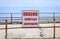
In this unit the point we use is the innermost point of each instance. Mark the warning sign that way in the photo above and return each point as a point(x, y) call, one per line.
point(30, 18)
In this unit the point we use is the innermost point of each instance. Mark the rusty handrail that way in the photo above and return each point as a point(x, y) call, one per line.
point(6, 30)
point(29, 27)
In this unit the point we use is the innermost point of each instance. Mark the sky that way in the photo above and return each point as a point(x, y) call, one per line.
point(16, 6)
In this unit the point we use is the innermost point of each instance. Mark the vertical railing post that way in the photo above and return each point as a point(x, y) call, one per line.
point(11, 18)
point(6, 29)
point(54, 24)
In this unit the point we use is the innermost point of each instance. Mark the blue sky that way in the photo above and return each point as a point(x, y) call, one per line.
point(15, 6)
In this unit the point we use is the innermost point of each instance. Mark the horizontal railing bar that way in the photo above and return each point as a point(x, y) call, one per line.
point(10, 17)
point(17, 19)
point(10, 13)
point(21, 17)
point(30, 27)
point(39, 12)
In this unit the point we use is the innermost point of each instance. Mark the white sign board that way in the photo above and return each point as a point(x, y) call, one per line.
point(30, 18)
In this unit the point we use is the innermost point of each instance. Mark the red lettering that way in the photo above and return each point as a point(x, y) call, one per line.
point(31, 23)
point(29, 19)
point(30, 13)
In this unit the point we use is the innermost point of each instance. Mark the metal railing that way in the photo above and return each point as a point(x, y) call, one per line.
point(54, 20)
point(17, 17)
